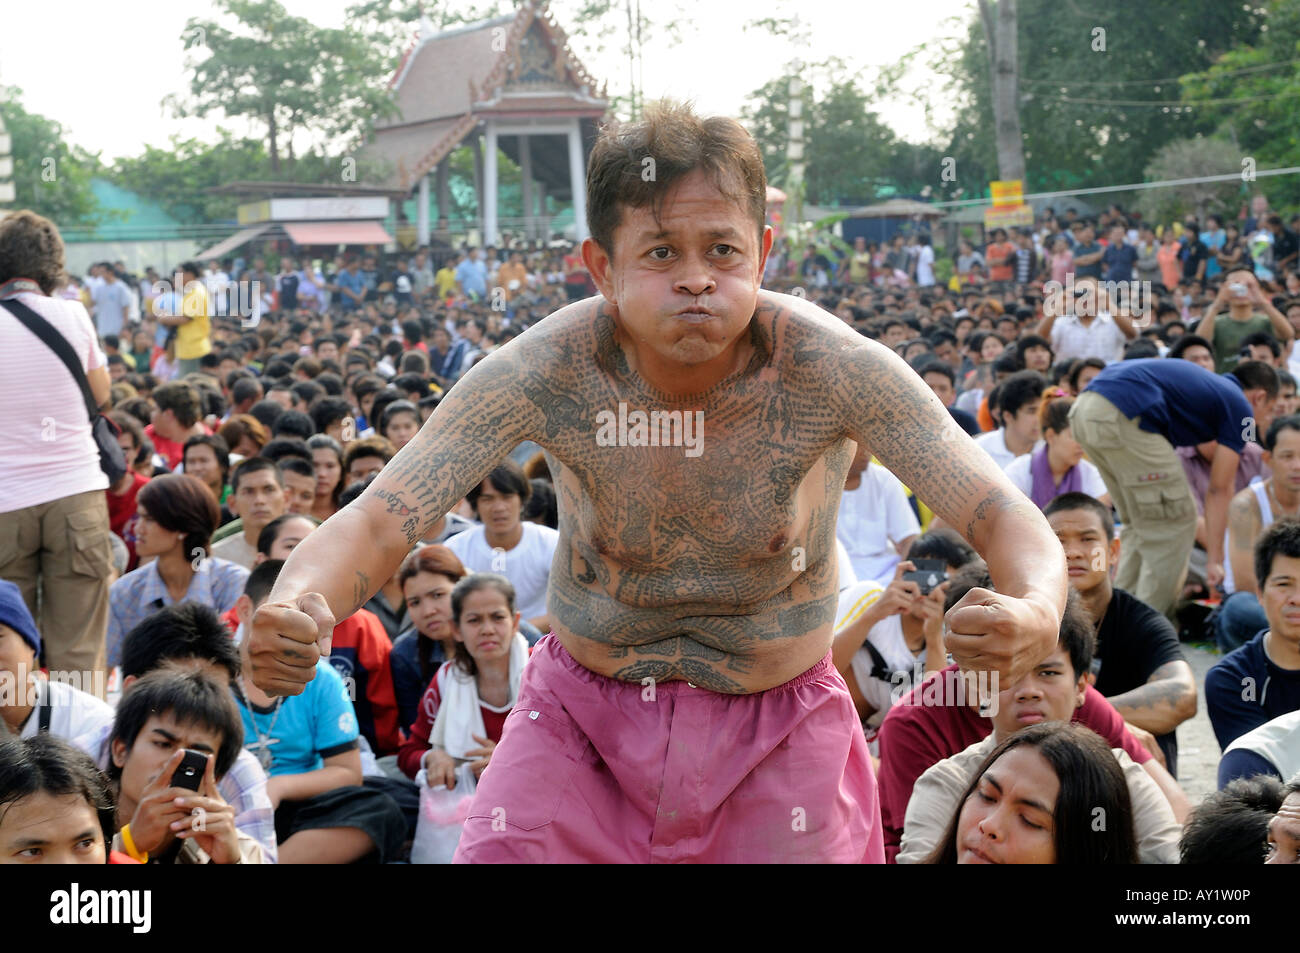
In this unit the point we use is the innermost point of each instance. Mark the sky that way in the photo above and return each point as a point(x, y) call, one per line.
point(111, 72)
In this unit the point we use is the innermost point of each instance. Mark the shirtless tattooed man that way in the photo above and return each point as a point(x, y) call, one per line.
point(684, 706)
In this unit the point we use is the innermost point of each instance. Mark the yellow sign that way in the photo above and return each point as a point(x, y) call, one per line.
point(255, 213)
point(1012, 217)
point(1008, 193)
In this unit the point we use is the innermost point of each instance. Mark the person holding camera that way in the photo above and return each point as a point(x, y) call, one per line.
point(1244, 299)
point(165, 720)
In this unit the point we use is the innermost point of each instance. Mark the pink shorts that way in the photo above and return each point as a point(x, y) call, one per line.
point(595, 770)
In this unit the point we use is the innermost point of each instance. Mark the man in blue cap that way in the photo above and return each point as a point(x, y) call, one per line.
point(30, 702)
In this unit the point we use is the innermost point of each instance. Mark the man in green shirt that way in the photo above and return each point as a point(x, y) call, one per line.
point(1245, 300)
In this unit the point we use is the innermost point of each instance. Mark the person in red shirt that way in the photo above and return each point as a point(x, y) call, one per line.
point(1001, 257)
point(175, 420)
point(464, 709)
point(940, 718)
point(121, 496)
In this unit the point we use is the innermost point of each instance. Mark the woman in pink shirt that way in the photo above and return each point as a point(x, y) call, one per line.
point(1062, 260)
point(54, 528)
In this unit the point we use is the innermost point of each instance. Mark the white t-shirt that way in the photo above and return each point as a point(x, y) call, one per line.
point(925, 266)
point(75, 716)
point(994, 443)
point(871, 520)
point(527, 566)
point(1020, 473)
point(46, 448)
point(885, 636)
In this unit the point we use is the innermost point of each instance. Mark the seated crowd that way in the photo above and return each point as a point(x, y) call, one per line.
point(1159, 437)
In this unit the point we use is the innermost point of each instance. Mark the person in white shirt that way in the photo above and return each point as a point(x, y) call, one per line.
point(1056, 465)
point(507, 545)
point(33, 703)
point(1050, 693)
point(876, 524)
point(888, 637)
point(925, 262)
point(1018, 398)
point(1084, 326)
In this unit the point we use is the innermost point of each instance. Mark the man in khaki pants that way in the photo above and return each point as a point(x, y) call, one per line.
point(1129, 420)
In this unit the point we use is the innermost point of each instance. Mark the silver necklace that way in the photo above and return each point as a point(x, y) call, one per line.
point(262, 748)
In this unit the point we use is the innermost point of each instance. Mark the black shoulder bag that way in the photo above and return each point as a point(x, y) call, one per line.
point(111, 459)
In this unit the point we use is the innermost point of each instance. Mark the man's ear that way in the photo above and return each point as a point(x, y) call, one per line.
point(244, 609)
point(232, 503)
point(1114, 553)
point(128, 681)
point(119, 752)
point(765, 247)
point(599, 263)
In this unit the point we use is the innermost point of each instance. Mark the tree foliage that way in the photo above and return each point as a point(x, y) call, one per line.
point(51, 176)
point(285, 73)
point(1190, 159)
point(1080, 88)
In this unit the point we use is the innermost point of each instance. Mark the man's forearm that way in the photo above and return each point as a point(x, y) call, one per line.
point(1024, 556)
point(1158, 707)
point(299, 787)
point(1169, 788)
point(344, 560)
point(1216, 522)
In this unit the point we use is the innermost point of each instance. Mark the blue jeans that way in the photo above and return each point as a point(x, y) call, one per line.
point(1237, 620)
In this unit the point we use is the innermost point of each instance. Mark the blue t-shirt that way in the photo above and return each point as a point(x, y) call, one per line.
point(1244, 689)
point(1119, 261)
point(1087, 271)
point(355, 283)
point(1181, 401)
point(309, 728)
point(472, 276)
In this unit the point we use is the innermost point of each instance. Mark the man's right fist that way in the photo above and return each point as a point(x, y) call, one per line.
point(287, 641)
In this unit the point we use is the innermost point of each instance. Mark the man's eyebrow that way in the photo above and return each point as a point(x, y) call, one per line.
point(711, 233)
point(165, 733)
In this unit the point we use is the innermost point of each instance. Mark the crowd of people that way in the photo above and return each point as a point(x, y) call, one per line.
point(1158, 433)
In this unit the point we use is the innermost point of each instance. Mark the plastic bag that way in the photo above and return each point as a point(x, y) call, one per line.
point(442, 818)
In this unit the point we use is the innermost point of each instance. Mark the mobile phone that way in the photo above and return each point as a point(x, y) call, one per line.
point(189, 773)
point(928, 574)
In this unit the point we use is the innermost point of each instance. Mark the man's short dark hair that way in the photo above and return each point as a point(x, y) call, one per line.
point(1077, 369)
point(328, 411)
point(305, 392)
point(1261, 339)
point(1256, 375)
point(190, 698)
point(261, 580)
point(1180, 346)
point(296, 464)
point(1231, 825)
point(1140, 349)
point(942, 544)
point(1082, 501)
point(181, 399)
point(254, 465)
point(329, 382)
point(281, 447)
point(1289, 422)
point(267, 412)
point(508, 479)
point(246, 388)
point(175, 633)
point(932, 365)
point(679, 142)
point(1280, 539)
point(1033, 340)
point(46, 764)
point(293, 423)
point(942, 336)
point(1019, 390)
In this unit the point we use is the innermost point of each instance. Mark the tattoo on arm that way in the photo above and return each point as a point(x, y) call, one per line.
point(360, 588)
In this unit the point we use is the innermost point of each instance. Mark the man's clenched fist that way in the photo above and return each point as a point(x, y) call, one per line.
point(287, 641)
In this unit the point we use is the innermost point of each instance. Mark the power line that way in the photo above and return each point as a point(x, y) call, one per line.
point(1138, 186)
point(1173, 103)
point(1257, 68)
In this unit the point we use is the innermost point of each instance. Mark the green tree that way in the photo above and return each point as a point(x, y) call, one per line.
point(285, 73)
point(51, 176)
point(1190, 159)
point(1251, 95)
point(1099, 91)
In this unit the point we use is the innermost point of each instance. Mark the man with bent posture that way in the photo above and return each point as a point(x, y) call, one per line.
point(685, 706)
